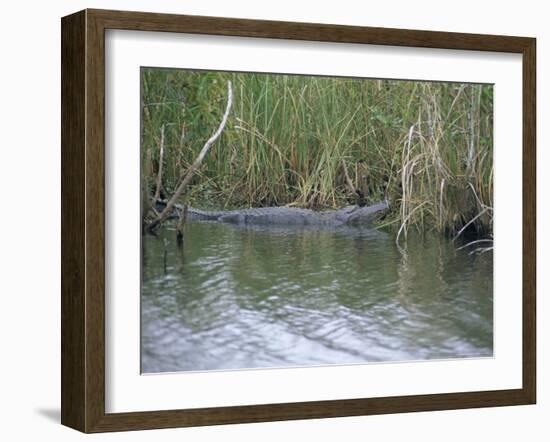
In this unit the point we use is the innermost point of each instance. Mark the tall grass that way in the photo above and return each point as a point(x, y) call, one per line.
point(427, 147)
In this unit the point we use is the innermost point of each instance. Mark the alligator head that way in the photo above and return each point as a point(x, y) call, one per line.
point(366, 215)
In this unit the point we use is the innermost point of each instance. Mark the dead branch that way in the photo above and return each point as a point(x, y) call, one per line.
point(195, 166)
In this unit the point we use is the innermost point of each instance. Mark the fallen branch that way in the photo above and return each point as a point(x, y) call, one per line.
point(195, 166)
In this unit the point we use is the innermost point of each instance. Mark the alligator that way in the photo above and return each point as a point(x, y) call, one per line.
point(288, 216)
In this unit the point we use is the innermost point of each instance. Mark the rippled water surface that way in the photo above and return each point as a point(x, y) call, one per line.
point(237, 297)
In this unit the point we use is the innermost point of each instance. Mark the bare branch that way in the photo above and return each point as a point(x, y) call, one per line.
point(196, 164)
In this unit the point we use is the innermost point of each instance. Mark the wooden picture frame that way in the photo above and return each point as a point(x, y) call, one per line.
point(83, 220)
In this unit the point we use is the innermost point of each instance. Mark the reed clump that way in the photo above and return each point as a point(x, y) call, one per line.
point(319, 142)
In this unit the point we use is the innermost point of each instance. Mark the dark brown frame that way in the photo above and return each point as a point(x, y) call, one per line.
point(83, 218)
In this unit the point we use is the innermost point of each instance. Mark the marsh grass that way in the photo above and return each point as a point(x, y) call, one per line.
point(426, 147)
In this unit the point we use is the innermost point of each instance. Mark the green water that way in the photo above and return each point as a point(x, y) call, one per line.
point(238, 297)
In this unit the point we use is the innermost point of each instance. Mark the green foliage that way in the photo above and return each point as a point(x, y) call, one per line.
point(425, 146)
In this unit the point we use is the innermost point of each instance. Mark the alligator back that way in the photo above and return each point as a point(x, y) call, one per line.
point(352, 215)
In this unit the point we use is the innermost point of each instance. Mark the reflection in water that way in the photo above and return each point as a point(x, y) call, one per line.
point(238, 297)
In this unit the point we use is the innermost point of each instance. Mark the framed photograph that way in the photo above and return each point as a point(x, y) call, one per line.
point(268, 220)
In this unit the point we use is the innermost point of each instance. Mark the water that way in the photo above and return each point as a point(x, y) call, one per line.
point(238, 297)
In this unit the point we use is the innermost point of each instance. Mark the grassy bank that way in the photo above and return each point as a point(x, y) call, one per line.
point(313, 141)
